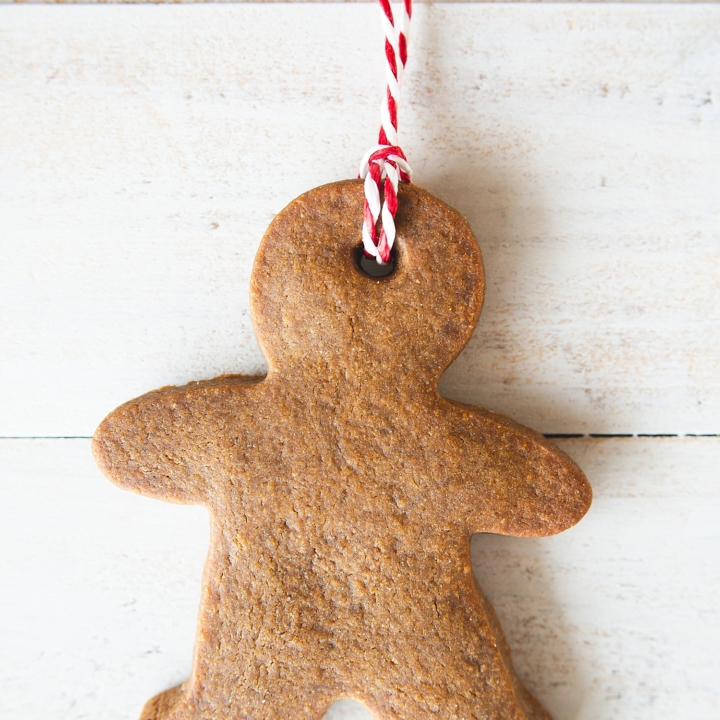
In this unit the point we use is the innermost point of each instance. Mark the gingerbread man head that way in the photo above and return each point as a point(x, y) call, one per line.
point(313, 305)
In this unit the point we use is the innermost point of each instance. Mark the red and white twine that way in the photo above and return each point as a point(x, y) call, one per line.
point(385, 164)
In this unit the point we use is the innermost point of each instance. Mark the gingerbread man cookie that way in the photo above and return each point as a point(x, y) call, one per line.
point(342, 488)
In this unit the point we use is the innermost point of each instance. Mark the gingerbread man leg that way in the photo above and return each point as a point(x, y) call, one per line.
point(165, 705)
point(455, 665)
point(280, 703)
point(463, 682)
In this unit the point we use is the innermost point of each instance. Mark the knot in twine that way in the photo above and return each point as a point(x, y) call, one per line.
point(386, 161)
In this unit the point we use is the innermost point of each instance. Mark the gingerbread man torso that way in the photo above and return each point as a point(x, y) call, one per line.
point(342, 489)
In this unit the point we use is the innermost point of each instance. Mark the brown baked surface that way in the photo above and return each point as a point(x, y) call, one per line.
point(342, 489)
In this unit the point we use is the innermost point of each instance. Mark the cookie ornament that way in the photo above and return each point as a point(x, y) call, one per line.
point(342, 488)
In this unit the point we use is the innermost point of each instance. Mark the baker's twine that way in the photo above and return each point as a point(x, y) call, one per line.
point(385, 163)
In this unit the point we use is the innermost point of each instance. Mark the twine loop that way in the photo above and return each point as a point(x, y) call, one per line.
point(384, 166)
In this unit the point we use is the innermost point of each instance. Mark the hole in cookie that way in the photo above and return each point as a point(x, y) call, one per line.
point(371, 267)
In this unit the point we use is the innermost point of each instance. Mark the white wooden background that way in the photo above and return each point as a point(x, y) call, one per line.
point(144, 149)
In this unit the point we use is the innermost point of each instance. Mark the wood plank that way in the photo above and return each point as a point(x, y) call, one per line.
point(616, 618)
point(144, 149)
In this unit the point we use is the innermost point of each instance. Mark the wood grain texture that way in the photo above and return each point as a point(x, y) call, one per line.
point(616, 618)
point(143, 151)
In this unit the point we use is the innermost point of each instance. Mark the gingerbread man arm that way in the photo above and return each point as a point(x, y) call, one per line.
point(142, 446)
point(163, 444)
point(515, 481)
